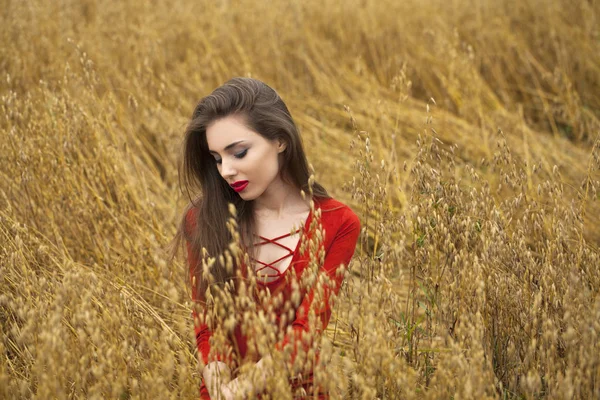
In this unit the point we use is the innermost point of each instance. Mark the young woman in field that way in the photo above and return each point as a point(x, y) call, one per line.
point(243, 147)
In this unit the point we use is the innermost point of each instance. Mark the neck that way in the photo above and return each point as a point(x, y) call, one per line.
point(279, 200)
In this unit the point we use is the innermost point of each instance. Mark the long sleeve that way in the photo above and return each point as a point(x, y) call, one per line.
point(201, 329)
point(340, 252)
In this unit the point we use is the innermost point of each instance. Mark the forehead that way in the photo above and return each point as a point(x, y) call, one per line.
point(228, 130)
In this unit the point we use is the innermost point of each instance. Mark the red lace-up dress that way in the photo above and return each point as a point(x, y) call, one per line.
point(342, 227)
point(268, 273)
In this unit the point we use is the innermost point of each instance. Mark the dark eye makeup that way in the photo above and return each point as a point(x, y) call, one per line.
point(241, 154)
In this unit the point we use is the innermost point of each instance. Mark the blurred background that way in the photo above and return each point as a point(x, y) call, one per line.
point(95, 97)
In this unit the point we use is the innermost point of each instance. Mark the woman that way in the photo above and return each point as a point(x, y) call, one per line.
point(242, 147)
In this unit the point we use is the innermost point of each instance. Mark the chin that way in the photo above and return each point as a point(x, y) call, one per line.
point(249, 196)
point(246, 196)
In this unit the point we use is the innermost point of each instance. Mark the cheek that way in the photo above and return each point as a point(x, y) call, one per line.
point(264, 164)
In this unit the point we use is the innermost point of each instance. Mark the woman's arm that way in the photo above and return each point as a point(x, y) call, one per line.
point(340, 253)
point(215, 373)
point(317, 299)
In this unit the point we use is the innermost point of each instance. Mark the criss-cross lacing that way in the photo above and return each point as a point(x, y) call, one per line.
point(276, 273)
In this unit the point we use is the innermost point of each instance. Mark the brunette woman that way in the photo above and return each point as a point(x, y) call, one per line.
point(242, 147)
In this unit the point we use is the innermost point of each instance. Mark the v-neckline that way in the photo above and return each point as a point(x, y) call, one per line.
point(294, 254)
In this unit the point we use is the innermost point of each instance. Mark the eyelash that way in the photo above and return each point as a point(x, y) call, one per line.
point(241, 154)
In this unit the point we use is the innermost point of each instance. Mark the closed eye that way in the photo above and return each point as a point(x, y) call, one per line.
point(241, 154)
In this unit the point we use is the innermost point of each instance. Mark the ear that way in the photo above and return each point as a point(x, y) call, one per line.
point(281, 146)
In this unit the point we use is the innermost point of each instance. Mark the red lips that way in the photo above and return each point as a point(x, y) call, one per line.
point(239, 185)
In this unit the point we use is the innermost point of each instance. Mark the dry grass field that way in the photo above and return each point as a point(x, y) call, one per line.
point(465, 134)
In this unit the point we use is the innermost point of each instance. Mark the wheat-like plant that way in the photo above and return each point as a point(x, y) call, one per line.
point(465, 134)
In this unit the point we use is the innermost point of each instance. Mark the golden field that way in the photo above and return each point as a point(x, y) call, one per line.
point(465, 134)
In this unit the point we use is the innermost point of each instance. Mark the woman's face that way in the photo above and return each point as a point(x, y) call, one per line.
point(243, 155)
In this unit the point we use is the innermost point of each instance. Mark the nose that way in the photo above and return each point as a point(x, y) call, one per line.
point(227, 169)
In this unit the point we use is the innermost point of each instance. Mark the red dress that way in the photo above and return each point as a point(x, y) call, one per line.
point(342, 227)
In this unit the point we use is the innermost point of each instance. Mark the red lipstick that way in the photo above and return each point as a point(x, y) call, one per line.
point(239, 185)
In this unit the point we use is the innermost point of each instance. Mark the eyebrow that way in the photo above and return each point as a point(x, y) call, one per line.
point(228, 146)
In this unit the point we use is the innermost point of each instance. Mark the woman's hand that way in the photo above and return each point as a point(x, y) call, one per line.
point(260, 373)
point(243, 387)
point(225, 393)
point(216, 376)
point(238, 389)
point(248, 385)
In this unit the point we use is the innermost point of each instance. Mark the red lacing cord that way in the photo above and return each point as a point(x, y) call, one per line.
point(270, 265)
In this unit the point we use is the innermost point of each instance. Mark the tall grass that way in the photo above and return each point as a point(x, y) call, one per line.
point(469, 146)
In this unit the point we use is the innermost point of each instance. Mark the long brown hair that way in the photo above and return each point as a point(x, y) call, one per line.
point(263, 112)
